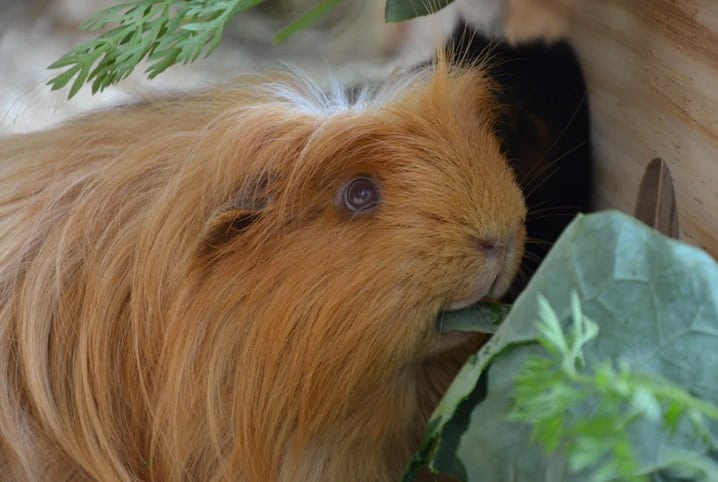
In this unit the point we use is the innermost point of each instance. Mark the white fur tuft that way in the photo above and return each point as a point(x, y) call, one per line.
point(306, 96)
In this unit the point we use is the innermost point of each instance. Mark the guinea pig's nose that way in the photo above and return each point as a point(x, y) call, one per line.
point(489, 247)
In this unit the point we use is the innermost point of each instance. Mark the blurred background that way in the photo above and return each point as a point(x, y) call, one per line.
point(352, 43)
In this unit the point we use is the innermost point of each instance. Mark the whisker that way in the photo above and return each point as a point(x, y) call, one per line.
point(560, 135)
point(551, 165)
point(551, 212)
point(541, 208)
point(540, 242)
point(545, 216)
point(568, 124)
point(545, 203)
point(529, 256)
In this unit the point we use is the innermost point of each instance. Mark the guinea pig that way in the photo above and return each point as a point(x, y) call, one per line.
point(243, 283)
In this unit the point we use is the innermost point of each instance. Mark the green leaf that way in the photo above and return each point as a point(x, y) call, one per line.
point(166, 31)
point(550, 327)
point(79, 81)
point(654, 302)
point(401, 10)
point(61, 80)
point(480, 317)
point(110, 15)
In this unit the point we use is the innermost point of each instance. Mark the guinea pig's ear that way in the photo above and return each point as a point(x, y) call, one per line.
point(235, 218)
point(227, 224)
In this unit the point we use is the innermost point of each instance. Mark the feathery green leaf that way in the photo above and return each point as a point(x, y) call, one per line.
point(164, 32)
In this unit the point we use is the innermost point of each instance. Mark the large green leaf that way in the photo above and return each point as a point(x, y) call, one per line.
point(656, 303)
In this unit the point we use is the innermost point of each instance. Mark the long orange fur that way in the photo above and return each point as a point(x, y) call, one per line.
point(145, 335)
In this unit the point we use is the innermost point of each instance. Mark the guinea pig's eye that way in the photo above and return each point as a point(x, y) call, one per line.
point(361, 195)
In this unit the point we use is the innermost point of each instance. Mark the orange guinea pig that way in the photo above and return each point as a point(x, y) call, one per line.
point(243, 284)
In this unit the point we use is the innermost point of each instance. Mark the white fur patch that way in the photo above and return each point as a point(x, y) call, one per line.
point(304, 95)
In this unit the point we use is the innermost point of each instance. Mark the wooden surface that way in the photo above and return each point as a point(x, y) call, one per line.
point(652, 74)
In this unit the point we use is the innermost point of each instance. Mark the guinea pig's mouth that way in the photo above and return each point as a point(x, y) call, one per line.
point(482, 293)
point(487, 286)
